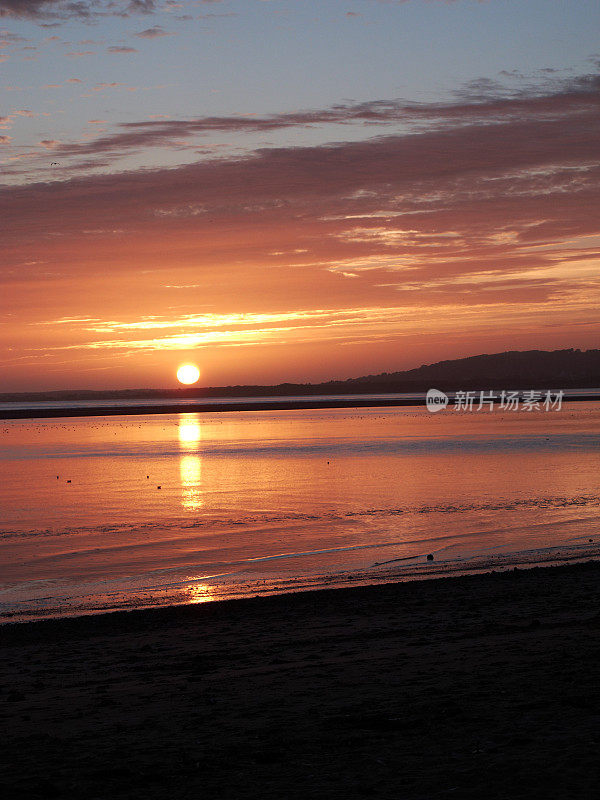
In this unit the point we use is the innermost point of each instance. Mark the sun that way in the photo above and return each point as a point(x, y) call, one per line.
point(188, 373)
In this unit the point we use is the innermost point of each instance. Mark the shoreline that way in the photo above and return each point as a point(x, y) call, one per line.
point(214, 407)
point(106, 618)
point(379, 574)
point(416, 585)
point(480, 685)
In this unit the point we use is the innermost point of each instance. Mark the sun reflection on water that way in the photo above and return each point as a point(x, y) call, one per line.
point(190, 464)
point(190, 431)
point(190, 469)
point(200, 593)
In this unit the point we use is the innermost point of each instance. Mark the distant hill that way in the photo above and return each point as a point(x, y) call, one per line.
point(528, 369)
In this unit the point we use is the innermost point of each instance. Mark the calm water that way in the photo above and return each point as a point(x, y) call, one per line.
point(275, 501)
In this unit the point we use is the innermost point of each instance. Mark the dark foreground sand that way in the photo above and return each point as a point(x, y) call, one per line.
point(473, 687)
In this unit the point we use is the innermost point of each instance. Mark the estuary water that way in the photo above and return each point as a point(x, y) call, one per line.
point(102, 513)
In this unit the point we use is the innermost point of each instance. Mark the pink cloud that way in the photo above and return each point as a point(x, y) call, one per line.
point(100, 87)
point(65, 9)
point(152, 33)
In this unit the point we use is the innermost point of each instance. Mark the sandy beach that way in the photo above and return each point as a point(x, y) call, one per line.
point(477, 686)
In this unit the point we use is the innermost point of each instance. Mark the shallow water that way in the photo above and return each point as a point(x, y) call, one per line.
point(278, 500)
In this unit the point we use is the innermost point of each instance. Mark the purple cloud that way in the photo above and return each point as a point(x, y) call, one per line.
point(65, 9)
point(120, 49)
point(478, 202)
point(572, 102)
point(152, 33)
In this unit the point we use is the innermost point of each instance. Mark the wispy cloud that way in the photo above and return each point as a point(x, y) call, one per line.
point(477, 107)
point(155, 32)
point(475, 216)
point(121, 49)
point(79, 9)
point(344, 326)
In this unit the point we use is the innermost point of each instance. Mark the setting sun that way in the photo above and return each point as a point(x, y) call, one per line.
point(188, 373)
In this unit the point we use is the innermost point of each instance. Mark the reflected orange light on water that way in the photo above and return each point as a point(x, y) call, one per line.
point(200, 593)
point(190, 431)
point(190, 470)
point(190, 464)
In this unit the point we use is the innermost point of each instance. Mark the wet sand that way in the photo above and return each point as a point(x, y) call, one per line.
point(467, 687)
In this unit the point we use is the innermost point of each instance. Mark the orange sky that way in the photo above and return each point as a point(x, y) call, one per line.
point(409, 234)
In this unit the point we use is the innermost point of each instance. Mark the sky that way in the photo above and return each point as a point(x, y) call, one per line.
point(293, 190)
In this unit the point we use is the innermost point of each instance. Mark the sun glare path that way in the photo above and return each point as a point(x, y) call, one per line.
point(189, 431)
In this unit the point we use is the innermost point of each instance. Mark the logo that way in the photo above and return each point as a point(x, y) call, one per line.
point(436, 400)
